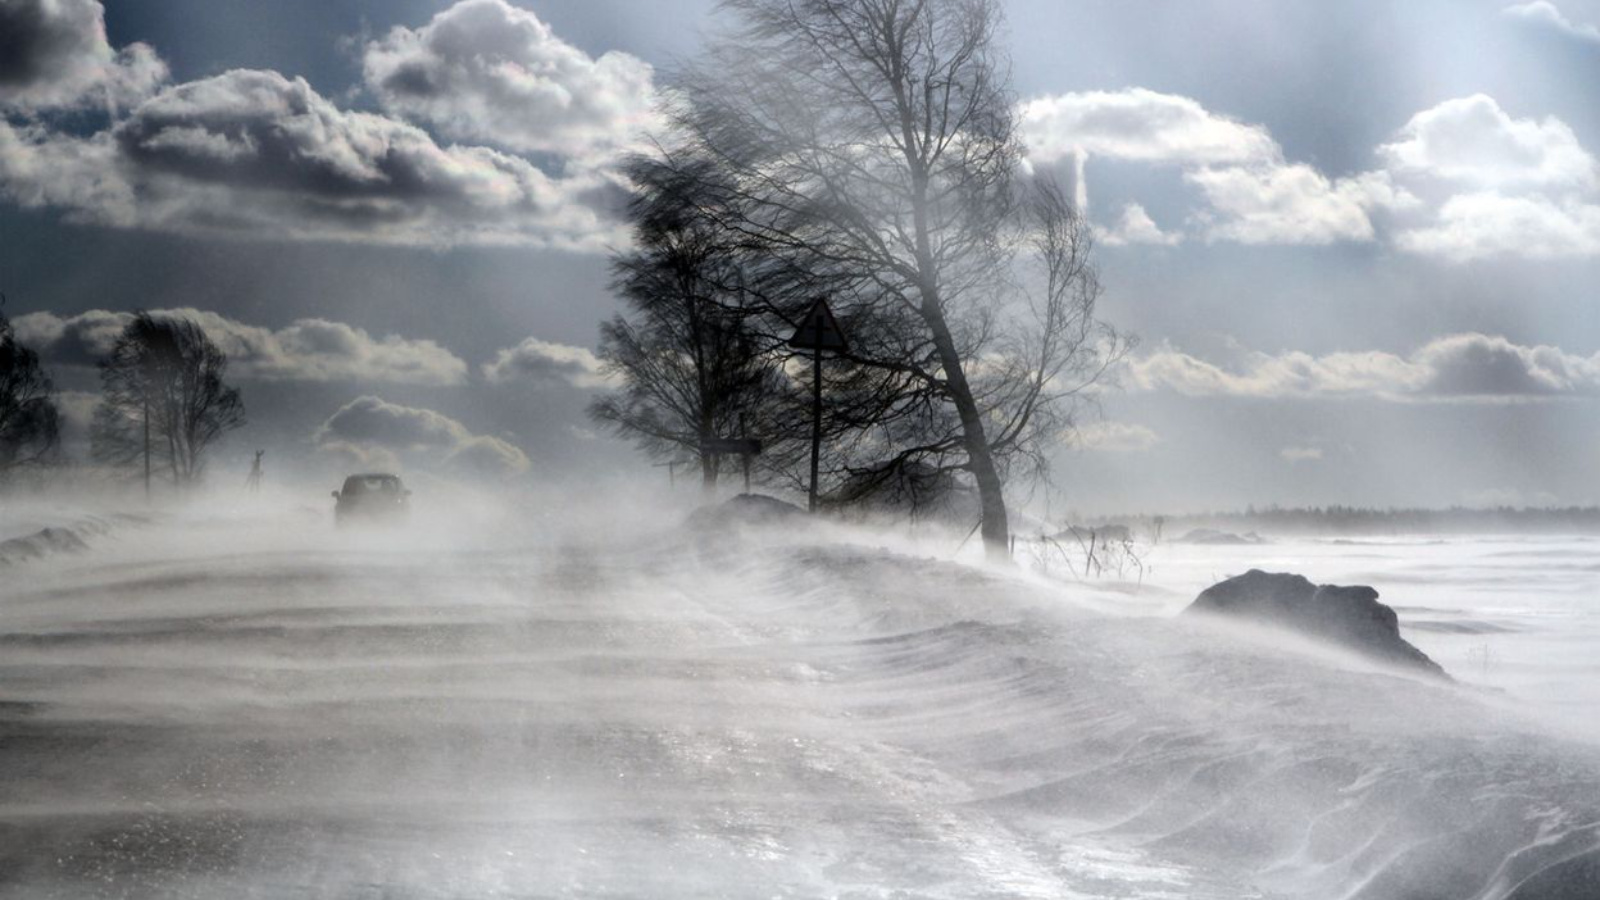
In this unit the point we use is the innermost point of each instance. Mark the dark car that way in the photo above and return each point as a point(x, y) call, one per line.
point(374, 498)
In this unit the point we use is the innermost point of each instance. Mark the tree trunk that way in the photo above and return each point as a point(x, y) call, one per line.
point(708, 473)
point(980, 460)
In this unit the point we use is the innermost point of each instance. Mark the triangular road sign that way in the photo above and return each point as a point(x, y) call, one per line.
point(819, 330)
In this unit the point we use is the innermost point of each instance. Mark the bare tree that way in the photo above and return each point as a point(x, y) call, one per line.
point(691, 370)
point(164, 401)
point(29, 421)
point(866, 149)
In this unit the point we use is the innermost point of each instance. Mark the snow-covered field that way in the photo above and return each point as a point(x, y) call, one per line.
point(250, 704)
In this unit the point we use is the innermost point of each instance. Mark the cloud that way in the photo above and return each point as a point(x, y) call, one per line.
point(1473, 140)
point(1113, 437)
point(1455, 367)
point(1545, 13)
point(253, 153)
point(545, 364)
point(1136, 227)
point(371, 431)
point(54, 54)
point(1292, 204)
point(1140, 125)
point(1488, 224)
point(1301, 454)
point(1253, 195)
point(486, 70)
point(306, 350)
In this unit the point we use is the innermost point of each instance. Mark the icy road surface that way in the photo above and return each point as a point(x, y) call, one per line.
point(220, 709)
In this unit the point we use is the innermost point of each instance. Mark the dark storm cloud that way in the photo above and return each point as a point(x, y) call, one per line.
point(543, 364)
point(54, 53)
point(306, 350)
point(257, 153)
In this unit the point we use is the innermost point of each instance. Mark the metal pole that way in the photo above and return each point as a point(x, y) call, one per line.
point(147, 444)
point(816, 423)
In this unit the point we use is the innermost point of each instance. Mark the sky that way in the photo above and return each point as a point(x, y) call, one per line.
point(1359, 242)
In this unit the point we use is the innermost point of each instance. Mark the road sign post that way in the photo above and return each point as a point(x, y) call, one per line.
point(744, 448)
point(818, 331)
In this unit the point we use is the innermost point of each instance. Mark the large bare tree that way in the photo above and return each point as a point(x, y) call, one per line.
point(691, 367)
point(29, 429)
point(164, 401)
point(867, 149)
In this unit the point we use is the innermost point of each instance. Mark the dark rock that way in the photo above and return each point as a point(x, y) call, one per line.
point(1351, 616)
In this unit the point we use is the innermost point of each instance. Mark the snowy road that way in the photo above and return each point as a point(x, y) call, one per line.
point(314, 715)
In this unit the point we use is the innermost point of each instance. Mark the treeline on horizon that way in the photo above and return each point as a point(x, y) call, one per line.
point(1338, 519)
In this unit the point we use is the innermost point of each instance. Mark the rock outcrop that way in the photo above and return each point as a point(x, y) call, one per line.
point(1350, 617)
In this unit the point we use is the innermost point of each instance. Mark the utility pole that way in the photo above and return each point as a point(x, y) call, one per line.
point(818, 331)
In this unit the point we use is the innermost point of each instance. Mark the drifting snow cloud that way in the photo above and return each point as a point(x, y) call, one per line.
point(486, 70)
point(306, 350)
point(1462, 366)
point(544, 364)
point(372, 432)
point(54, 54)
point(1546, 14)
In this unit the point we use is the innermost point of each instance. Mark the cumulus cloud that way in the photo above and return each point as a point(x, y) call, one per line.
point(486, 70)
point(1113, 437)
point(1301, 454)
point(305, 350)
point(1293, 204)
point(1489, 224)
point(1140, 125)
point(54, 54)
point(1253, 194)
point(1136, 227)
point(1547, 14)
point(1455, 367)
point(373, 432)
point(255, 153)
point(1473, 140)
point(545, 364)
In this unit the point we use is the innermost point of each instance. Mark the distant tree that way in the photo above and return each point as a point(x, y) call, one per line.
point(29, 421)
point(867, 150)
point(164, 401)
point(690, 366)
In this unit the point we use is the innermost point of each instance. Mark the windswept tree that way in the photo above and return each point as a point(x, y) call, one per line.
point(164, 401)
point(29, 421)
point(866, 149)
point(690, 366)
